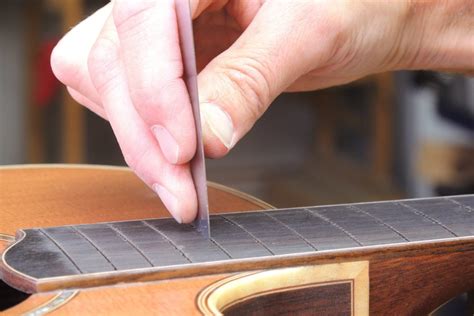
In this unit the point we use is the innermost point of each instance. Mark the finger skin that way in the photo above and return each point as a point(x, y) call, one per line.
point(139, 148)
point(81, 99)
point(244, 80)
point(149, 47)
point(69, 57)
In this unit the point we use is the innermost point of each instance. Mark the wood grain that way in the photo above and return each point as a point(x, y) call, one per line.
point(106, 253)
point(52, 195)
point(412, 279)
point(49, 195)
point(290, 291)
point(332, 299)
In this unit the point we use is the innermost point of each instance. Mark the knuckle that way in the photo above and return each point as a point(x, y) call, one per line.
point(136, 160)
point(130, 160)
point(127, 12)
point(143, 98)
point(63, 67)
point(251, 78)
point(101, 61)
point(103, 51)
point(156, 95)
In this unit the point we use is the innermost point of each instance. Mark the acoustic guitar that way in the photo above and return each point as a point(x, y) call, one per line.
point(96, 241)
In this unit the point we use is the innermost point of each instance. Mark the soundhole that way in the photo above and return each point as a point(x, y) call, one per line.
point(10, 297)
point(331, 299)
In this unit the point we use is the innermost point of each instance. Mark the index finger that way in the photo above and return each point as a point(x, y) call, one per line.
point(149, 47)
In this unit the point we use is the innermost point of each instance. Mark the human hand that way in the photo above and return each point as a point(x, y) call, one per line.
point(124, 63)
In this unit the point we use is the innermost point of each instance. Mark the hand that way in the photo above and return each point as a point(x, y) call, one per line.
point(124, 63)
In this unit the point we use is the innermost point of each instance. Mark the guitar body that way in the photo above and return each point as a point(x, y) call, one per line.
point(393, 267)
point(56, 195)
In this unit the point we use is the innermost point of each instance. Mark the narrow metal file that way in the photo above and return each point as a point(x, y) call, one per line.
point(198, 167)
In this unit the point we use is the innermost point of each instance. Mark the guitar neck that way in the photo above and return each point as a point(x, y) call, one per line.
point(161, 248)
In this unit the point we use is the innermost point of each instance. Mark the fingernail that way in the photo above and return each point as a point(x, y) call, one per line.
point(169, 146)
point(169, 200)
point(219, 122)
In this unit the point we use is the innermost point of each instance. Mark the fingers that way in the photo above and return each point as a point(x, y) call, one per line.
point(97, 109)
point(69, 57)
point(172, 182)
point(149, 47)
point(237, 86)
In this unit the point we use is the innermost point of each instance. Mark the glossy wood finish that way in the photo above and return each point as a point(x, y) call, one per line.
point(332, 299)
point(56, 195)
point(408, 279)
point(52, 195)
point(332, 289)
point(118, 250)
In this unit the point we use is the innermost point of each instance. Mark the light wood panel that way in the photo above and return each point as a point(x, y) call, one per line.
point(50, 195)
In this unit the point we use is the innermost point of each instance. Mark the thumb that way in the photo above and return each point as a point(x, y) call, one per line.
point(237, 87)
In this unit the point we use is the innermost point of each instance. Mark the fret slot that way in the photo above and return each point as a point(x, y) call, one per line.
point(76, 247)
point(412, 226)
point(318, 232)
point(117, 251)
point(164, 244)
point(364, 228)
point(189, 241)
point(278, 238)
point(157, 249)
point(451, 216)
point(45, 259)
point(237, 242)
point(466, 201)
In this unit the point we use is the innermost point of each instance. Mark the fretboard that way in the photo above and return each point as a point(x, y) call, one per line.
point(117, 246)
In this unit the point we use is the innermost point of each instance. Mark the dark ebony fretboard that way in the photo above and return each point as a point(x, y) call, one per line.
point(84, 249)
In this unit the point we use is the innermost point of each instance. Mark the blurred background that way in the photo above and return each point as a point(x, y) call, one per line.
point(393, 135)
